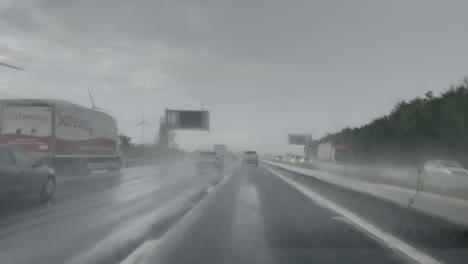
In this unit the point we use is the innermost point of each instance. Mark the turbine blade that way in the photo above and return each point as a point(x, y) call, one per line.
point(91, 97)
point(11, 66)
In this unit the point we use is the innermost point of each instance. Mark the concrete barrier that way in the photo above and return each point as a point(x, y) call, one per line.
point(433, 196)
point(455, 186)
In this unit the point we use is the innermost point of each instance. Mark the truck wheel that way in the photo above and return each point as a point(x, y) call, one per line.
point(48, 190)
point(117, 167)
point(84, 168)
point(80, 168)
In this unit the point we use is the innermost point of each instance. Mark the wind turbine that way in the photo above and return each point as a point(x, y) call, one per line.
point(143, 124)
point(11, 66)
point(93, 105)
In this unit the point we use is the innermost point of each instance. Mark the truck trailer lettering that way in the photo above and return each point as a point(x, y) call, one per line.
point(69, 120)
point(29, 117)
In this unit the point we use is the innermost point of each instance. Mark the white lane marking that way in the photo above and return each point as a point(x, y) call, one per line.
point(385, 238)
point(154, 248)
point(132, 231)
point(342, 219)
point(138, 255)
point(209, 189)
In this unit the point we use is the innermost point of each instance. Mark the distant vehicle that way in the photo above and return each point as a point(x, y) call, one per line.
point(22, 176)
point(302, 160)
point(444, 167)
point(279, 158)
point(231, 157)
point(332, 152)
point(250, 157)
point(69, 137)
point(189, 157)
point(221, 150)
point(296, 159)
point(208, 160)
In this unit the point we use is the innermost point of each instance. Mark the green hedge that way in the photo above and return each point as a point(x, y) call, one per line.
point(426, 127)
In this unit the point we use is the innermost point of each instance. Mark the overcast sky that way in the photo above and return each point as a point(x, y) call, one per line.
point(264, 68)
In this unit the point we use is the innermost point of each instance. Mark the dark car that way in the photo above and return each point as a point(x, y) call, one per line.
point(250, 157)
point(22, 176)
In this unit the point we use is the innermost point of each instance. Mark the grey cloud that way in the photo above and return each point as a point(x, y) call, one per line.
point(302, 65)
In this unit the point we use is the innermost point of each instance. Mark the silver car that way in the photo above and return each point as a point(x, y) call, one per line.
point(446, 167)
point(208, 160)
point(22, 176)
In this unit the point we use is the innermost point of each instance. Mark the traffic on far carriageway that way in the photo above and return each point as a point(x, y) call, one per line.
point(66, 136)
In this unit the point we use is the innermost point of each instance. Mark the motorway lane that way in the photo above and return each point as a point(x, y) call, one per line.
point(100, 218)
point(255, 217)
point(444, 241)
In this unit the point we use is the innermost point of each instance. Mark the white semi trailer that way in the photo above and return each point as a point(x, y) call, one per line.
point(332, 152)
point(66, 136)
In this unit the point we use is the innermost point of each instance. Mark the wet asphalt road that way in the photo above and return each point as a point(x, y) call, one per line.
point(255, 217)
point(171, 214)
point(100, 218)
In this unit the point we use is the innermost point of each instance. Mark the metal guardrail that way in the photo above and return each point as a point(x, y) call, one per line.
point(455, 186)
point(435, 197)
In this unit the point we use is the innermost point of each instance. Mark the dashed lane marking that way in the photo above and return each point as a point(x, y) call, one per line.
point(209, 189)
point(138, 255)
